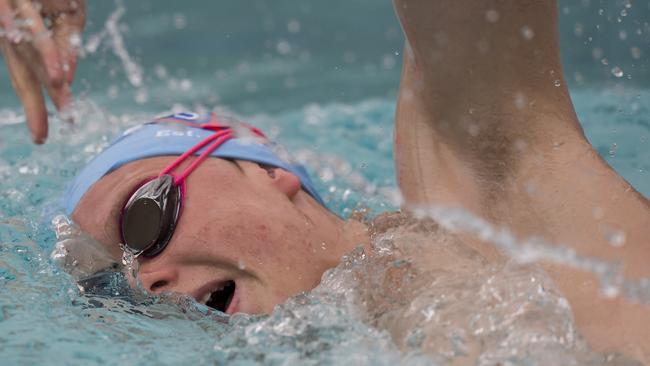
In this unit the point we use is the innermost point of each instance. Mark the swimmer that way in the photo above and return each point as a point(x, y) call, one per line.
point(483, 115)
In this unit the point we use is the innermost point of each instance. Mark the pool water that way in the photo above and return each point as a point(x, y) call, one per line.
point(321, 77)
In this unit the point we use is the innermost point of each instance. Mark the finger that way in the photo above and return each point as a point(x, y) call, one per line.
point(66, 35)
point(61, 96)
point(6, 15)
point(43, 42)
point(28, 89)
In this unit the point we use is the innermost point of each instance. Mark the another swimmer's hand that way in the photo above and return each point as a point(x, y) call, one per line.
point(39, 41)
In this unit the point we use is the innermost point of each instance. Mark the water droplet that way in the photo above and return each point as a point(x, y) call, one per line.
point(141, 96)
point(520, 101)
point(612, 150)
point(399, 263)
point(578, 29)
point(578, 77)
point(160, 71)
point(636, 52)
point(388, 62)
point(180, 21)
point(557, 83)
point(598, 213)
point(616, 238)
point(597, 53)
point(251, 87)
point(483, 46)
point(527, 32)
point(617, 71)
point(283, 47)
point(624, 12)
point(113, 92)
point(474, 130)
point(492, 16)
point(293, 26)
point(610, 291)
point(531, 188)
point(185, 84)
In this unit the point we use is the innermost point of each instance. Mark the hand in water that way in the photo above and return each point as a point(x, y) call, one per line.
point(39, 42)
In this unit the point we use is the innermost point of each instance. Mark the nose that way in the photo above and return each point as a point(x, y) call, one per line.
point(158, 280)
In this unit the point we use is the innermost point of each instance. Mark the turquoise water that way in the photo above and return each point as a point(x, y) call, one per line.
point(319, 76)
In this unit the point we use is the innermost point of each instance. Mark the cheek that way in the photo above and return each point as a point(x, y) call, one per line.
point(241, 236)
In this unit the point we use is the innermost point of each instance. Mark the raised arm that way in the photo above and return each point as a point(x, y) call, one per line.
point(485, 121)
point(38, 40)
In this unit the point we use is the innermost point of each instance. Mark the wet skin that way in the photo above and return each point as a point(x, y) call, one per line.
point(240, 222)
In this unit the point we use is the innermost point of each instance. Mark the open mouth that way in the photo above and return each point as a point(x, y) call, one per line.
point(221, 298)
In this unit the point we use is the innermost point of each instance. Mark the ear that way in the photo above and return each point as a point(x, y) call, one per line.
point(283, 180)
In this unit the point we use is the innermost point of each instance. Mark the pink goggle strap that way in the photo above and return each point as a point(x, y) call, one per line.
point(221, 135)
point(213, 142)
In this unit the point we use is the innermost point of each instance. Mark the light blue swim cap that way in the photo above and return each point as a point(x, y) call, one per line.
point(167, 137)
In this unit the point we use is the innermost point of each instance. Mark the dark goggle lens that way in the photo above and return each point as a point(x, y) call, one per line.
point(150, 216)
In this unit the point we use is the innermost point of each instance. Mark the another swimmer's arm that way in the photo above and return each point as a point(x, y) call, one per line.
point(47, 59)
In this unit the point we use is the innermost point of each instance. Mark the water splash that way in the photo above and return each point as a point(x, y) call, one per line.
point(609, 273)
point(113, 35)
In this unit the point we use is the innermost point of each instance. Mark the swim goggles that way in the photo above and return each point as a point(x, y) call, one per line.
point(151, 214)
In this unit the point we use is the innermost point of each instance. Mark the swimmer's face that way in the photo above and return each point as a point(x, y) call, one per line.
point(246, 230)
